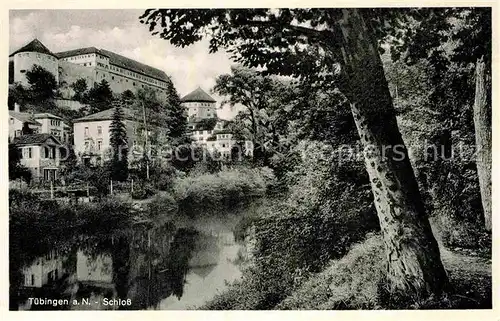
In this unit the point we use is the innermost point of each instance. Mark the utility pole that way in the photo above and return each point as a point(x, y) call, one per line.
point(145, 141)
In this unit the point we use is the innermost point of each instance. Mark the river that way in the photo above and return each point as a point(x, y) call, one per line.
point(170, 267)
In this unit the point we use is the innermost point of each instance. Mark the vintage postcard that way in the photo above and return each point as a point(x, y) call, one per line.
point(273, 158)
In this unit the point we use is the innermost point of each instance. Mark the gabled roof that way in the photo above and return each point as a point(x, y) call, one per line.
point(34, 46)
point(34, 139)
point(118, 60)
point(24, 117)
point(79, 51)
point(107, 114)
point(127, 63)
point(46, 115)
point(198, 95)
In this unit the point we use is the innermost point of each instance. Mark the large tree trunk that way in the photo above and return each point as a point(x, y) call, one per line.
point(482, 126)
point(414, 263)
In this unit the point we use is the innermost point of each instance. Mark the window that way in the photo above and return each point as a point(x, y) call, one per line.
point(49, 152)
point(113, 77)
point(23, 71)
point(27, 152)
point(99, 130)
point(17, 133)
point(86, 131)
point(99, 144)
point(12, 120)
point(32, 279)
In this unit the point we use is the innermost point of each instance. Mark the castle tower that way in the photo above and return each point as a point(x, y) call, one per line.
point(34, 53)
point(199, 105)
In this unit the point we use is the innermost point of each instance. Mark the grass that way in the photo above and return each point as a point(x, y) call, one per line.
point(353, 282)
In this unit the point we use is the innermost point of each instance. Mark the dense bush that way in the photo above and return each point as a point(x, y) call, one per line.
point(162, 206)
point(213, 192)
point(324, 214)
point(142, 191)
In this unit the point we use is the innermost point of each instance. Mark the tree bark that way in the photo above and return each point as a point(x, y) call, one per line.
point(414, 267)
point(482, 127)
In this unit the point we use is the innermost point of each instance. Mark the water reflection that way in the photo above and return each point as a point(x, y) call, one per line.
point(164, 267)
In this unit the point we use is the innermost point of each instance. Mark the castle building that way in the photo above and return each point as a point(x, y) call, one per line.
point(91, 64)
point(199, 105)
point(206, 128)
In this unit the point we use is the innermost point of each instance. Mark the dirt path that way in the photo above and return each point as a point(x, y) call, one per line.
point(470, 275)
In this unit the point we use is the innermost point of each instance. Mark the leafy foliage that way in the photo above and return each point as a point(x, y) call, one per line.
point(79, 87)
point(99, 97)
point(118, 142)
point(42, 83)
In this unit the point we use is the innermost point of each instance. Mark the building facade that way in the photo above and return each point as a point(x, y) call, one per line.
point(91, 134)
point(91, 64)
point(19, 121)
point(41, 154)
point(199, 105)
point(206, 129)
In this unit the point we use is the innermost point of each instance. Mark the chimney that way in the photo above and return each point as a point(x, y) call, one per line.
point(16, 107)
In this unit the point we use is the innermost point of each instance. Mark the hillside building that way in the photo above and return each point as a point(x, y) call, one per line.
point(91, 64)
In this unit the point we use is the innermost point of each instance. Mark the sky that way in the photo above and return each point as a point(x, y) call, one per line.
point(120, 31)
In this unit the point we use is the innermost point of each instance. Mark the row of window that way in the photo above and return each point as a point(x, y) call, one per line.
point(84, 56)
point(198, 104)
point(137, 75)
point(99, 144)
point(37, 55)
point(47, 152)
point(204, 132)
point(55, 122)
point(126, 80)
point(99, 131)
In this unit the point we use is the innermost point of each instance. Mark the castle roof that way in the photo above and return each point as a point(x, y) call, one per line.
point(107, 114)
point(198, 95)
point(34, 139)
point(79, 51)
point(34, 46)
point(118, 60)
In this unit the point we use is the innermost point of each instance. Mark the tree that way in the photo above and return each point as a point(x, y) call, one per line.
point(69, 161)
point(79, 87)
point(118, 140)
point(42, 83)
point(176, 114)
point(462, 37)
point(26, 130)
point(257, 93)
point(128, 96)
point(99, 97)
point(482, 123)
point(325, 47)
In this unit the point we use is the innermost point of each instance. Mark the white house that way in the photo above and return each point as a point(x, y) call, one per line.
point(91, 134)
point(41, 154)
